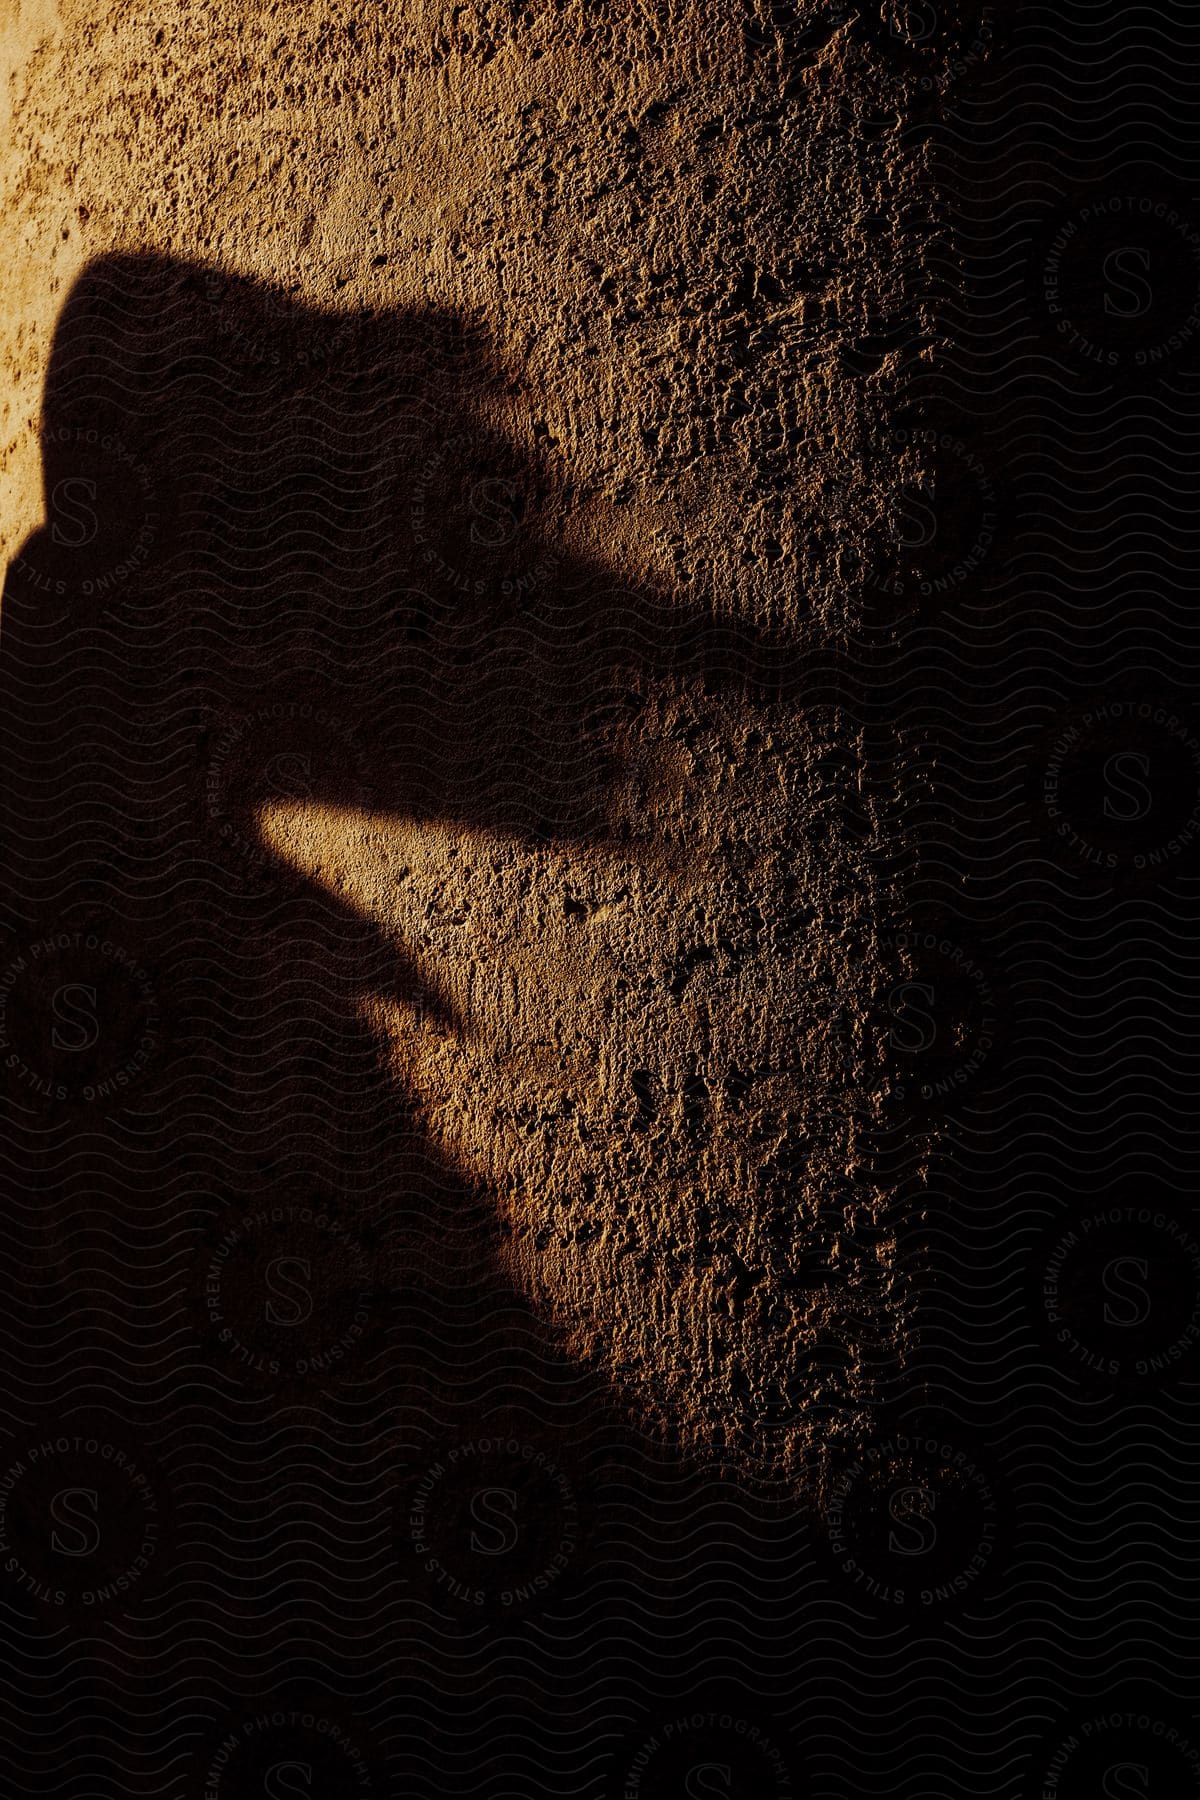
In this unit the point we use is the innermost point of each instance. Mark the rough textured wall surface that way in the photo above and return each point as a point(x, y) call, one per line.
point(494, 596)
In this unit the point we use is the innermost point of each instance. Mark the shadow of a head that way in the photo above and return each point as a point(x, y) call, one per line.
point(250, 503)
point(296, 560)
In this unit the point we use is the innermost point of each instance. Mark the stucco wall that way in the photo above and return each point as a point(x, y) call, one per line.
point(607, 303)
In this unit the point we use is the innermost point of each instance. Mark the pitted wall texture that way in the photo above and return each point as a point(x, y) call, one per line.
point(682, 244)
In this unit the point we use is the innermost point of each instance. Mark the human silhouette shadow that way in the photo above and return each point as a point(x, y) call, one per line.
point(286, 553)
